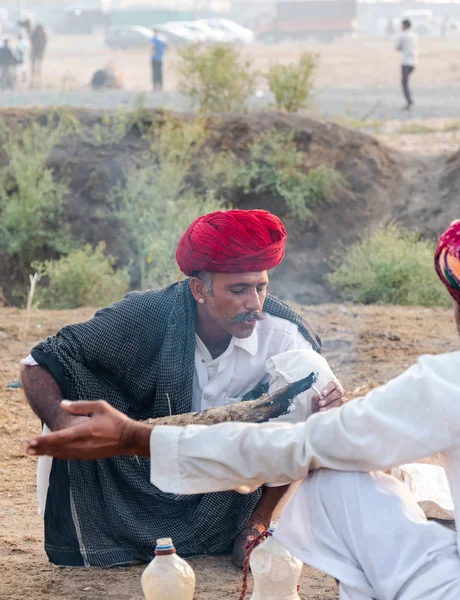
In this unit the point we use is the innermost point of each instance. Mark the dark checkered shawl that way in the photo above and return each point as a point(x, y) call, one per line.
point(135, 354)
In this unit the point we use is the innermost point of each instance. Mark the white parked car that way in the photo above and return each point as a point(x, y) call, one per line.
point(124, 37)
point(178, 34)
point(232, 32)
point(203, 32)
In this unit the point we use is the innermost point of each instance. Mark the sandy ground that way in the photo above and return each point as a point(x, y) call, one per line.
point(365, 346)
point(357, 76)
point(346, 63)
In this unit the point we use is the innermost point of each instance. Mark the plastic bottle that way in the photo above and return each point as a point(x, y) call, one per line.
point(168, 576)
point(276, 572)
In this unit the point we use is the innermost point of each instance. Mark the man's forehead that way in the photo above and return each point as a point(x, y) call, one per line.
point(251, 278)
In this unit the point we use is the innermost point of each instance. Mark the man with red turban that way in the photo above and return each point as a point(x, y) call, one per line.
point(214, 339)
point(348, 519)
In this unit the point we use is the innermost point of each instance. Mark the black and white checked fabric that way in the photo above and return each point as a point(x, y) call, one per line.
point(139, 355)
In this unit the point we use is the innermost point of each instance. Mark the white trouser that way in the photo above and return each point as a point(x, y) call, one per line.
point(367, 531)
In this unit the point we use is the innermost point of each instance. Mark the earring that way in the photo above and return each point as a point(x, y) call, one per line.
point(201, 300)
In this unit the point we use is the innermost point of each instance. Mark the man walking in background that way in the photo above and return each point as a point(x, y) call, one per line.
point(7, 64)
point(407, 44)
point(159, 47)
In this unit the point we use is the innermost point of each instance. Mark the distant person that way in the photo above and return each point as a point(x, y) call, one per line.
point(107, 78)
point(22, 57)
point(390, 28)
point(7, 64)
point(407, 44)
point(159, 47)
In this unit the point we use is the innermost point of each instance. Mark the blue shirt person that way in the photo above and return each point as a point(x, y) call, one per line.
point(158, 49)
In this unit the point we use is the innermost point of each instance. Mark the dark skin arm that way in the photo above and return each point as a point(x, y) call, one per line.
point(44, 397)
point(103, 432)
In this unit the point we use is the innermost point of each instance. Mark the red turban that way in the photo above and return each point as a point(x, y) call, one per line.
point(235, 241)
point(447, 259)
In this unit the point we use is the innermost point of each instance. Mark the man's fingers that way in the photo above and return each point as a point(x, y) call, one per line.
point(330, 398)
point(332, 386)
point(84, 407)
point(51, 443)
point(335, 404)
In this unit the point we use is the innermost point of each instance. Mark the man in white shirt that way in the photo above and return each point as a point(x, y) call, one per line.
point(212, 340)
point(364, 529)
point(407, 44)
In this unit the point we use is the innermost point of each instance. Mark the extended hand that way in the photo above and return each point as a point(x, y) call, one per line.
point(332, 395)
point(107, 432)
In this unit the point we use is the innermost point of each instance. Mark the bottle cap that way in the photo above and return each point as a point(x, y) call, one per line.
point(164, 547)
point(272, 527)
point(164, 544)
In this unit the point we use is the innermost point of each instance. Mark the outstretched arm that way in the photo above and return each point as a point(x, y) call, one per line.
point(413, 416)
point(103, 432)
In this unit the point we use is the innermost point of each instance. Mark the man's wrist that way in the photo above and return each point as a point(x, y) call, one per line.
point(136, 438)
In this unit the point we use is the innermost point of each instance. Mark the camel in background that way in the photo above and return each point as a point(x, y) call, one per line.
point(38, 41)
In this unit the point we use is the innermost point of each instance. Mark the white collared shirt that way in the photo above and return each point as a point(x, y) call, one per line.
point(407, 44)
point(227, 378)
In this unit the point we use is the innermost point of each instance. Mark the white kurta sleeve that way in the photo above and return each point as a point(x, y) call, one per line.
point(413, 416)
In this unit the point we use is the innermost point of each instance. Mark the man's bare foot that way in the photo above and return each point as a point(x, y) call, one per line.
point(254, 528)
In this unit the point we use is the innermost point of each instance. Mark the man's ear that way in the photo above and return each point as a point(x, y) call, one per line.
point(198, 288)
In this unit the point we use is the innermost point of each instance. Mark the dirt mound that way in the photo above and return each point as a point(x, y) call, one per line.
point(377, 190)
point(374, 179)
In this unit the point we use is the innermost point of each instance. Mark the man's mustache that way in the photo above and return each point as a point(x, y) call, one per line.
point(247, 317)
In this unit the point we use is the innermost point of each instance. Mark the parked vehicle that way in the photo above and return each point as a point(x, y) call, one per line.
point(203, 32)
point(128, 36)
point(177, 34)
point(125, 37)
point(322, 19)
point(232, 31)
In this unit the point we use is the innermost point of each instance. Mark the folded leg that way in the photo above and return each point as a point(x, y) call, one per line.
point(367, 531)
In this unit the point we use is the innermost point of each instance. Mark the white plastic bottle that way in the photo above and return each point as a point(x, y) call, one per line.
point(276, 572)
point(168, 576)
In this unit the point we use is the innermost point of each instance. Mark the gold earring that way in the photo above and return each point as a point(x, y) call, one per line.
point(201, 300)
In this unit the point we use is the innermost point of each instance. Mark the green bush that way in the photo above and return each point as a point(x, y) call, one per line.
point(276, 167)
point(292, 84)
point(156, 201)
point(392, 266)
point(150, 204)
point(86, 277)
point(30, 197)
point(115, 125)
point(215, 78)
point(110, 131)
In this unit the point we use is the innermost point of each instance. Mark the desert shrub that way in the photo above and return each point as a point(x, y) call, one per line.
point(115, 125)
point(391, 266)
point(219, 172)
point(292, 84)
point(215, 78)
point(30, 197)
point(157, 209)
point(110, 131)
point(156, 201)
point(277, 167)
point(85, 277)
